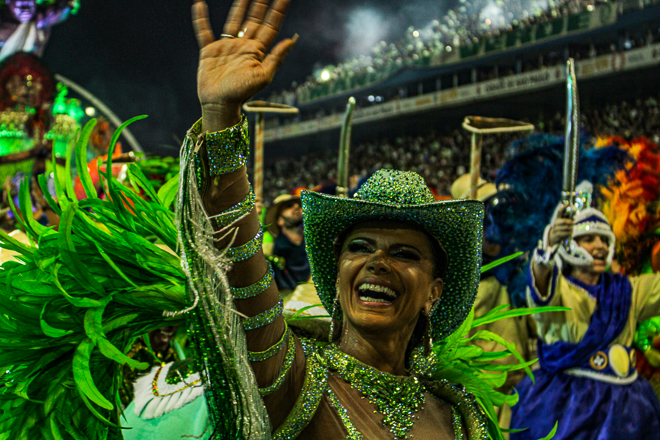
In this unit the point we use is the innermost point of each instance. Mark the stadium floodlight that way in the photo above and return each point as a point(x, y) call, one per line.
point(261, 107)
point(478, 126)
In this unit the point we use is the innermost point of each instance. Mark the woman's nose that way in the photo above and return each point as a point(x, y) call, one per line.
point(378, 263)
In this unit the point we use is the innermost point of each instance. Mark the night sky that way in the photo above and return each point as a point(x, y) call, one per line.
point(140, 57)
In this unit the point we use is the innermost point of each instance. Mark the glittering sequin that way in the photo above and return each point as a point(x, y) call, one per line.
point(248, 250)
point(420, 364)
point(315, 384)
point(465, 409)
point(353, 433)
point(232, 214)
point(310, 346)
point(258, 356)
point(264, 318)
point(401, 196)
point(398, 398)
point(458, 423)
point(256, 288)
point(229, 149)
point(286, 366)
point(472, 415)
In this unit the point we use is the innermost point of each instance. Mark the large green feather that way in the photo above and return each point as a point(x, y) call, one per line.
point(71, 309)
point(459, 361)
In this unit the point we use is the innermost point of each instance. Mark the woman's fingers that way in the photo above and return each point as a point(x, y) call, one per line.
point(272, 23)
point(276, 57)
point(255, 16)
point(236, 17)
point(201, 23)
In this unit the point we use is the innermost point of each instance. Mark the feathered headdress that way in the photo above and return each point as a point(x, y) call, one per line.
point(631, 204)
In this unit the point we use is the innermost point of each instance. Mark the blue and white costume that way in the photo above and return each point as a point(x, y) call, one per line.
point(587, 381)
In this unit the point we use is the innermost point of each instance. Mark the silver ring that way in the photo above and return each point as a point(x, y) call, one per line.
point(223, 36)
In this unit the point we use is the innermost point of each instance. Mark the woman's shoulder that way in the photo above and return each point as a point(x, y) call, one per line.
point(475, 420)
point(314, 385)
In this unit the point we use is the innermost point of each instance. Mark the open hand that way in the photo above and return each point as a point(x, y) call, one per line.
point(235, 67)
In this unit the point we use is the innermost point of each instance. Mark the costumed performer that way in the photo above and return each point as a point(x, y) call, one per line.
point(587, 380)
point(493, 290)
point(393, 268)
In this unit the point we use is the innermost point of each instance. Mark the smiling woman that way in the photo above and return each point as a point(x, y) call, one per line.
point(389, 280)
point(393, 267)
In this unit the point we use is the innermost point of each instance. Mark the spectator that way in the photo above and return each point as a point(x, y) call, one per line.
point(284, 220)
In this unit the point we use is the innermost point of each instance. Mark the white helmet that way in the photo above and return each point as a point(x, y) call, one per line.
point(587, 221)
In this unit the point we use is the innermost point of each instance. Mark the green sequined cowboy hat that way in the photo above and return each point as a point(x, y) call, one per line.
point(401, 196)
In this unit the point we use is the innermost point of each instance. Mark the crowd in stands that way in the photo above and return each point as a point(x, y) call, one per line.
point(465, 24)
point(441, 157)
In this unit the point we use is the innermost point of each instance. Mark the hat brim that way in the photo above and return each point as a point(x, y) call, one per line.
point(457, 224)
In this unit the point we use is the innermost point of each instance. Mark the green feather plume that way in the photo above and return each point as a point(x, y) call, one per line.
point(74, 302)
point(458, 360)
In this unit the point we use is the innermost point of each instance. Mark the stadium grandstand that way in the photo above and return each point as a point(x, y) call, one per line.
point(412, 100)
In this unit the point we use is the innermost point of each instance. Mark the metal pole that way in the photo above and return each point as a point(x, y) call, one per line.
point(475, 164)
point(259, 158)
point(345, 151)
point(261, 107)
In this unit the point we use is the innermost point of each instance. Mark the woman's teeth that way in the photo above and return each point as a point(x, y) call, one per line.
point(376, 293)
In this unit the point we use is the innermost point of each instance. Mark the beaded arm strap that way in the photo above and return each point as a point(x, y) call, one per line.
point(264, 318)
point(286, 366)
point(258, 356)
point(248, 250)
point(227, 150)
point(230, 215)
point(256, 288)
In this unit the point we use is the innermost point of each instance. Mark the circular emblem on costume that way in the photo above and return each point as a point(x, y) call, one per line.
point(619, 360)
point(633, 358)
point(598, 361)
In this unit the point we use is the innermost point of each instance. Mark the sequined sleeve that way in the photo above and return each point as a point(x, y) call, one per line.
point(219, 208)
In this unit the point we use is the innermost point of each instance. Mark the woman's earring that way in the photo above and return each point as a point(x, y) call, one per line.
point(428, 334)
point(428, 339)
point(336, 312)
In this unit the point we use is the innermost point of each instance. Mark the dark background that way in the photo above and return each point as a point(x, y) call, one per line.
point(140, 56)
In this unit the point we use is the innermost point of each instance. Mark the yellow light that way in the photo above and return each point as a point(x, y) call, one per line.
point(488, 21)
point(325, 75)
point(90, 111)
point(416, 34)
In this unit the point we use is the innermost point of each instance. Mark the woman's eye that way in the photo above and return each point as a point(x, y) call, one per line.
point(357, 247)
point(407, 255)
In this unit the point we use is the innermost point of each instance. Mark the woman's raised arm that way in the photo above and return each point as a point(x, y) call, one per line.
point(231, 70)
